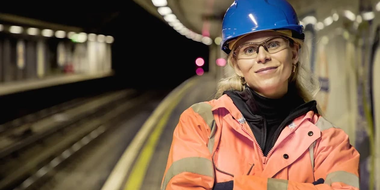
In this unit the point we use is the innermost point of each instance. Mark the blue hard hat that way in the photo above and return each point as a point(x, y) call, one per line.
point(248, 16)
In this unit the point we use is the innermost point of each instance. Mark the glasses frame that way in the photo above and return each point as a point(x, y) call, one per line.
point(263, 43)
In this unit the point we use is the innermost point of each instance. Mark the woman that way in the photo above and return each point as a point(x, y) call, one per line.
point(263, 130)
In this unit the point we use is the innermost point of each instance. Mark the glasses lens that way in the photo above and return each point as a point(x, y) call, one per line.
point(250, 50)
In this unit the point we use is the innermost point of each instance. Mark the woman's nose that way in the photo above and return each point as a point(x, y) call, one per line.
point(262, 55)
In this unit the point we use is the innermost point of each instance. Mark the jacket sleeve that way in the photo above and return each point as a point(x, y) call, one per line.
point(189, 165)
point(336, 161)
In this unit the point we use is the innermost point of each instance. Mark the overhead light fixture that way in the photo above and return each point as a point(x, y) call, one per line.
point(164, 10)
point(159, 3)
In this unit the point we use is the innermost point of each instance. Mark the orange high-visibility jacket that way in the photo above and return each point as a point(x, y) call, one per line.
point(307, 149)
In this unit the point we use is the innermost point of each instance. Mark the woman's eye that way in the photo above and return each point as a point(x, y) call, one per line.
point(273, 44)
point(250, 50)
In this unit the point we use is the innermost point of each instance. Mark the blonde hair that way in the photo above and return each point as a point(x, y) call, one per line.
point(303, 79)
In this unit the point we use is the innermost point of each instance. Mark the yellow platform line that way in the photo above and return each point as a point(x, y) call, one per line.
point(139, 170)
point(118, 175)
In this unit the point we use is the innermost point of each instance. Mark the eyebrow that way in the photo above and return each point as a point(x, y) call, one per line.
point(266, 40)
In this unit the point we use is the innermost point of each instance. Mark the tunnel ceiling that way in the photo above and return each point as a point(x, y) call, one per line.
point(196, 14)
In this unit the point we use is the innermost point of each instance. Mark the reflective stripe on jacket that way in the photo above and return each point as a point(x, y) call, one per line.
point(200, 156)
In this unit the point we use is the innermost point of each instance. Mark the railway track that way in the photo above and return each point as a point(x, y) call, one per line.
point(42, 141)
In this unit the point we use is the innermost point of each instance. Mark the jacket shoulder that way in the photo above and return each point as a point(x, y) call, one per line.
point(323, 124)
point(329, 129)
point(204, 109)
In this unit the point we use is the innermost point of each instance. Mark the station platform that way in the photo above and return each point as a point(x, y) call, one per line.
point(143, 163)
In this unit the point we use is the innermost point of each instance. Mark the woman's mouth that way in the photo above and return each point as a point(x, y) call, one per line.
point(265, 70)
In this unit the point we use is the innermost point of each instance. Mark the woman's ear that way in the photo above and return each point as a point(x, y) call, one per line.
point(295, 53)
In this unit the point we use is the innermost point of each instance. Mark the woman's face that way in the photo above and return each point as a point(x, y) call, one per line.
point(265, 60)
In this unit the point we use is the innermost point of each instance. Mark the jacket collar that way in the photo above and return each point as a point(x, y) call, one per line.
point(225, 102)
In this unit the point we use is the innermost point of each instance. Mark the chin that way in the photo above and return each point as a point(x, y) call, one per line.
point(270, 89)
point(270, 86)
